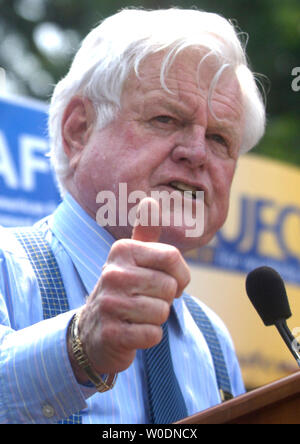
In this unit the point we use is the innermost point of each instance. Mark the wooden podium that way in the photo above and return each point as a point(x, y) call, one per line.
point(275, 403)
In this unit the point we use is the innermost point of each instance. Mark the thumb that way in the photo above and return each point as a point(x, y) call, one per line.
point(147, 232)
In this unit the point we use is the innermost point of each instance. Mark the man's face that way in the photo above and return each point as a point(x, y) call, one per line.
point(162, 140)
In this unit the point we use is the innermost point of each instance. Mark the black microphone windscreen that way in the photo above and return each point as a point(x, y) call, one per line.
point(266, 290)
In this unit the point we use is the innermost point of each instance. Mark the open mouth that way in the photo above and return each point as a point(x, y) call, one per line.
point(189, 190)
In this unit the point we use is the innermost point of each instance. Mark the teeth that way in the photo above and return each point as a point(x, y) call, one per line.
point(183, 187)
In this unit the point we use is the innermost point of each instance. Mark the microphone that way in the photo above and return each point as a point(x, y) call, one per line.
point(266, 291)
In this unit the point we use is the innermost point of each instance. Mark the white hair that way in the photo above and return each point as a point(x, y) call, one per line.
point(119, 44)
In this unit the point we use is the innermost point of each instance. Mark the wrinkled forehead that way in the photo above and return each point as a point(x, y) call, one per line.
point(194, 71)
point(194, 65)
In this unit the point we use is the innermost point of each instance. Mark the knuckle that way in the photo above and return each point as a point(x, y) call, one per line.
point(155, 336)
point(172, 256)
point(164, 312)
point(120, 279)
point(111, 274)
point(187, 277)
point(106, 304)
point(120, 248)
point(169, 288)
point(148, 336)
point(112, 305)
point(151, 336)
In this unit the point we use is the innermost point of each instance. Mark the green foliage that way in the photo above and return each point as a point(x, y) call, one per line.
point(273, 27)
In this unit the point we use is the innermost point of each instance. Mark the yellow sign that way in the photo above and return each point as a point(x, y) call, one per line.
point(263, 228)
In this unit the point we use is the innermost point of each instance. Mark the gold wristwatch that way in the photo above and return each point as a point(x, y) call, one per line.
point(102, 385)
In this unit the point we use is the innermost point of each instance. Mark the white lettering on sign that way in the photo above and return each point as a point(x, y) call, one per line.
point(31, 160)
point(31, 151)
point(7, 167)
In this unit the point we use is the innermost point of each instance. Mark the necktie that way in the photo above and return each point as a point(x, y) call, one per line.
point(165, 398)
point(54, 298)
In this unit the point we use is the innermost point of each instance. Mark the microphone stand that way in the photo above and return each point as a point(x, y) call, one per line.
point(289, 339)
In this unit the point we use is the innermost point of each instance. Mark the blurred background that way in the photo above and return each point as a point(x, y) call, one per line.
point(37, 41)
point(39, 37)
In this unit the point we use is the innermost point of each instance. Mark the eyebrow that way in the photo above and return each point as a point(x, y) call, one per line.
point(177, 108)
point(230, 130)
point(184, 111)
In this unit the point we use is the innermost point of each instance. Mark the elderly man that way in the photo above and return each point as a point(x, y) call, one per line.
point(95, 324)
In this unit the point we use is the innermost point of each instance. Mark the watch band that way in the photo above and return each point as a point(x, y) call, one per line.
point(102, 385)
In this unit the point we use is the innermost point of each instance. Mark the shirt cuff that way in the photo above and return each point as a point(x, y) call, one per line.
point(37, 383)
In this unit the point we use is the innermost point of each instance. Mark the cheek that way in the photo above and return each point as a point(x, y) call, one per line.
point(144, 153)
point(222, 181)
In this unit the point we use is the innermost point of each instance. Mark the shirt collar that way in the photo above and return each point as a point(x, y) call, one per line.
point(87, 243)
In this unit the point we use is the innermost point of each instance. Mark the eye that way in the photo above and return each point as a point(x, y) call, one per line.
point(164, 120)
point(220, 145)
point(218, 139)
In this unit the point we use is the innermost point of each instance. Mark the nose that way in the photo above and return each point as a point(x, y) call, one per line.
point(191, 149)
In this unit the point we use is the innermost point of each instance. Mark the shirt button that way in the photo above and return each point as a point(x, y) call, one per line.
point(48, 411)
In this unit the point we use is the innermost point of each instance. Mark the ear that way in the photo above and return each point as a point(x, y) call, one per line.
point(77, 125)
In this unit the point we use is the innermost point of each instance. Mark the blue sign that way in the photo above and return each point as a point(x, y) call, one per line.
point(27, 186)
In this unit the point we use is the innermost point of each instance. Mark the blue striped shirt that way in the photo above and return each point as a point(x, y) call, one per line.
point(37, 384)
